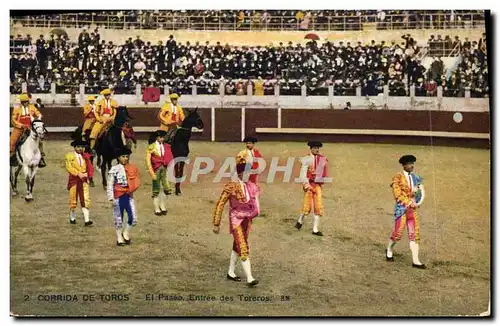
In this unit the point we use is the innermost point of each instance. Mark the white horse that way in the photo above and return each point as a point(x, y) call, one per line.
point(28, 156)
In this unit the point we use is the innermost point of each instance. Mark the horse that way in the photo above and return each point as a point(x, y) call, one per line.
point(179, 143)
point(110, 142)
point(28, 156)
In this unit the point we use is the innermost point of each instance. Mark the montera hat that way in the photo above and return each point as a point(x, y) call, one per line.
point(123, 151)
point(250, 140)
point(312, 144)
point(78, 142)
point(405, 159)
point(160, 133)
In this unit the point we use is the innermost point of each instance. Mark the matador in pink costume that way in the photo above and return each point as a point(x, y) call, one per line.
point(243, 198)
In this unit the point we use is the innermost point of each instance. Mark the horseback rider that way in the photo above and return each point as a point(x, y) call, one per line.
point(22, 117)
point(171, 116)
point(105, 113)
point(89, 115)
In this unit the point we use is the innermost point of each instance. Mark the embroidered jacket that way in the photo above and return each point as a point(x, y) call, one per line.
point(122, 179)
point(23, 116)
point(75, 164)
point(314, 167)
point(247, 156)
point(170, 113)
point(154, 160)
point(402, 192)
point(89, 111)
point(242, 202)
point(103, 108)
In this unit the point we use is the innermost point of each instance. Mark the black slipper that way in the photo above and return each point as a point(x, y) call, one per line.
point(235, 279)
point(253, 283)
point(419, 266)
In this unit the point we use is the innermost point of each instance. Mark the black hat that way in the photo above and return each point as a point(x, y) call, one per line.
point(123, 151)
point(312, 144)
point(154, 134)
point(160, 133)
point(78, 142)
point(407, 159)
point(250, 140)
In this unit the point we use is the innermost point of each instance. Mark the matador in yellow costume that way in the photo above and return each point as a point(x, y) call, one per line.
point(78, 185)
point(314, 169)
point(408, 192)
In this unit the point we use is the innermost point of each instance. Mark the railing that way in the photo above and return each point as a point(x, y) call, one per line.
point(257, 22)
point(422, 53)
point(277, 90)
point(443, 49)
point(455, 51)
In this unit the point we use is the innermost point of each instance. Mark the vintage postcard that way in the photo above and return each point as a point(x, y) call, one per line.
point(250, 163)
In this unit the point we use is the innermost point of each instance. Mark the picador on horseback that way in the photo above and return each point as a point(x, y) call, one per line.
point(171, 116)
point(89, 117)
point(111, 141)
point(22, 118)
point(178, 127)
point(105, 113)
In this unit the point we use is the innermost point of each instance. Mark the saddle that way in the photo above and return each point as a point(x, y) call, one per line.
point(22, 139)
point(169, 137)
point(104, 130)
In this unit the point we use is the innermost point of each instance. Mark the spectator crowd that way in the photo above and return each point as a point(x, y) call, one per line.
point(263, 19)
point(100, 64)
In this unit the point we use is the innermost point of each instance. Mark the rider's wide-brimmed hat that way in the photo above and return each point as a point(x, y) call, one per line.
point(24, 98)
point(106, 91)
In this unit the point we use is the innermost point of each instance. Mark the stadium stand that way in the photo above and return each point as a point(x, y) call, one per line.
point(261, 19)
point(457, 65)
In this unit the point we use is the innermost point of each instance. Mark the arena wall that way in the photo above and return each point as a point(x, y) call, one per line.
point(251, 38)
point(290, 102)
point(398, 126)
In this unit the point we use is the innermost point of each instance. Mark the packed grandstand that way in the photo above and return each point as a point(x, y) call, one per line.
point(43, 60)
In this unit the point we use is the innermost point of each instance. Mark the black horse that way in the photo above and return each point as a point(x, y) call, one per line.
point(111, 142)
point(180, 143)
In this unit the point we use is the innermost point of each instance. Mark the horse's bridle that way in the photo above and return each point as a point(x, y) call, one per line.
point(33, 129)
